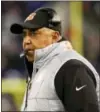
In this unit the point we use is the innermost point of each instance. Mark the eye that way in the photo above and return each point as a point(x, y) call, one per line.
point(33, 33)
point(23, 34)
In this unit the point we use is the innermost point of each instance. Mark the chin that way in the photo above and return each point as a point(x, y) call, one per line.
point(30, 53)
point(30, 58)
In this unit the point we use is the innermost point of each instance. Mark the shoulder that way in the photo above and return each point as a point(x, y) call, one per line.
point(73, 68)
point(72, 64)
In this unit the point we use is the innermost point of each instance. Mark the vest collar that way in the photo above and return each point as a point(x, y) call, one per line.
point(42, 55)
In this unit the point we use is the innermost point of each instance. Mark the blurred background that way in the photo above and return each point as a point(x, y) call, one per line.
point(80, 25)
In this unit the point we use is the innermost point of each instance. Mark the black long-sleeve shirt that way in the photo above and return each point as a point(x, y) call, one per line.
point(75, 85)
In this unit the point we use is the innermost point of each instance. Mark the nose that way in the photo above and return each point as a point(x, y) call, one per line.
point(27, 40)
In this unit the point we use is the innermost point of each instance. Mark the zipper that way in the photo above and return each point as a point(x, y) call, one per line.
point(28, 82)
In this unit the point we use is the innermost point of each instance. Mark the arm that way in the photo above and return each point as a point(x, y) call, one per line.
point(75, 87)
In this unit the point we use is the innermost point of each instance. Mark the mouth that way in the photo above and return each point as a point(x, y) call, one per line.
point(29, 51)
point(26, 50)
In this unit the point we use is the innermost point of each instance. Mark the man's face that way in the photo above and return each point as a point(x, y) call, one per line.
point(38, 39)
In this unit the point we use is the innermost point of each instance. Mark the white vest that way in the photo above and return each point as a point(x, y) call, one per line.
point(42, 95)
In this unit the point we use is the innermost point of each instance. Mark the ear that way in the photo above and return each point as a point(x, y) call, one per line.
point(55, 36)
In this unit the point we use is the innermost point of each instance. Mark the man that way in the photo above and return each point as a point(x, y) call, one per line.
point(59, 78)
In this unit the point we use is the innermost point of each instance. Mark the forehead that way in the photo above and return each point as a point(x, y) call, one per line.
point(44, 29)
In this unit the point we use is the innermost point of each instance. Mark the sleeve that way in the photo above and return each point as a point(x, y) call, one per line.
point(76, 88)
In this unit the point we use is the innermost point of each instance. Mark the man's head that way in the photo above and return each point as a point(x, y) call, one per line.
point(40, 29)
point(38, 39)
